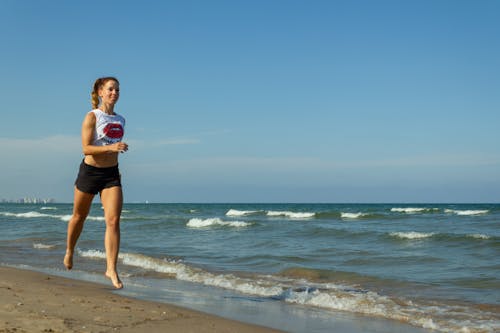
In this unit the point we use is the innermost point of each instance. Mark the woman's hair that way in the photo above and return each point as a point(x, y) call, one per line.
point(97, 85)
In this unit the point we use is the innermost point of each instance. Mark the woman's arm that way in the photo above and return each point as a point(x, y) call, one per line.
point(88, 128)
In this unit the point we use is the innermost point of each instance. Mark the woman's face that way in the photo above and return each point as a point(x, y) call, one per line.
point(109, 92)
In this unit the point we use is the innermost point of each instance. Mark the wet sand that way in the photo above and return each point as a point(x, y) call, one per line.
point(38, 302)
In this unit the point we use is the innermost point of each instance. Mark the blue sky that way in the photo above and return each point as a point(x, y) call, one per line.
point(258, 101)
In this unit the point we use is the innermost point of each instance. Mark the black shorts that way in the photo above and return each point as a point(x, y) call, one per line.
point(93, 180)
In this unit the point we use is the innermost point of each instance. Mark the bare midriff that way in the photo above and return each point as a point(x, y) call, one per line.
point(102, 160)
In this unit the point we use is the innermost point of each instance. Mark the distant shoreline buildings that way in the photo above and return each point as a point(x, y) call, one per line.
point(28, 200)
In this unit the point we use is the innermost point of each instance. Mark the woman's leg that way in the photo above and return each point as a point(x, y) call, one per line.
point(112, 201)
point(81, 207)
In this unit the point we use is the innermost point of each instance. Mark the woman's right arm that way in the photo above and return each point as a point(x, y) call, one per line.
point(88, 128)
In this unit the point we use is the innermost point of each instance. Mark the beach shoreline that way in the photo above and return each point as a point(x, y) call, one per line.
point(381, 268)
point(40, 302)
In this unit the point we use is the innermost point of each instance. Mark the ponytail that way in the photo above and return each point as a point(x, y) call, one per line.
point(95, 90)
point(95, 100)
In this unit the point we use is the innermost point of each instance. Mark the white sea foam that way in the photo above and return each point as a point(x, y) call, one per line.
point(435, 317)
point(328, 295)
point(466, 212)
point(149, 263)
point(411, 235)
point(479, 236)
point(184, 272)
point(64, 218)
point(352, 215)
point(367, 302)
point(25, 215)
point(203, 223)
point(412, 210)
point(43, 246)
point(235, 212)
point(260, 286)
point(48, 208)
point(293, 215)
point(96, 218)
point(96, 254)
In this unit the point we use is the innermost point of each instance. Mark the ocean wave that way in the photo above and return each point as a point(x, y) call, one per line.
point(94, 254)
point(413, 210)
point(30, 215)
point(353, 215)
point(411, 235)
point(65, 218)
point(96, 218)
point(41, 246)
point(24, 215)
point(292, 215)
point(479, 236)
point(328, 295)
point(466, 212)
point(439, 317)
point(462, 238)
point(185, 272)
point(327, 215)
point(48, 208)
point(367, 303)
point(203, 223)
point(235, 212)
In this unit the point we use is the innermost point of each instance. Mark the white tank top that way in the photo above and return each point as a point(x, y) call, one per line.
point(109, 129)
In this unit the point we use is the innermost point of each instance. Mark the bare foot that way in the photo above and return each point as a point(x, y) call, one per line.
point(115, 280)
point(68, 260)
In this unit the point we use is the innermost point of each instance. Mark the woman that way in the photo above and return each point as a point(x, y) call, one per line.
point(102, 133)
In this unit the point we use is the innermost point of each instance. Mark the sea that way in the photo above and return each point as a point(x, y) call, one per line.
point(296, 267)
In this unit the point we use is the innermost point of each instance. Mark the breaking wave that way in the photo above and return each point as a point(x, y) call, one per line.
point(204, 223)
point(235, 212)
point(41, 246)
point(411, 235)
point(48, 208)
point(328, 295)
point(413, 210)
point(292, 215)
point(353, 216)
point(466, 212)
point(65, 218)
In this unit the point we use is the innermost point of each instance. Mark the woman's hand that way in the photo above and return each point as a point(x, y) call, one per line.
point(119, 147)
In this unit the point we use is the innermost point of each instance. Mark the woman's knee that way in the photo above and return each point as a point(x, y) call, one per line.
point(113, 222)
point(78, 217)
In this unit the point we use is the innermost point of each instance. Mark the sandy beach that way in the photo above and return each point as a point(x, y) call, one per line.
point(38, 302)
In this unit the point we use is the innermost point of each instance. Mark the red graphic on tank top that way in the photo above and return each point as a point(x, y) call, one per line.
point(113, 131)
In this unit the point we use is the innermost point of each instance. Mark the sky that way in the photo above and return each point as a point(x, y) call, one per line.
point(258, 101)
